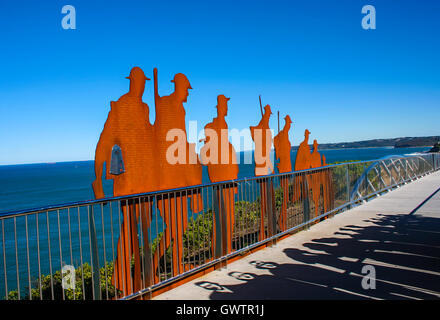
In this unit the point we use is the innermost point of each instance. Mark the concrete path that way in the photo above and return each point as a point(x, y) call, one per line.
point(396, 236)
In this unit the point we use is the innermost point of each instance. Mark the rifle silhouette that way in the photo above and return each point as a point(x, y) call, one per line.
point(278, 121)
point(156, 89)
point(261, 106)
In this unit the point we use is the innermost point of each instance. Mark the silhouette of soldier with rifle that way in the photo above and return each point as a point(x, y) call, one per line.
point(302, 181)
point(262, 137)
point(170, 133)
point(126, 145)
point(282, 152)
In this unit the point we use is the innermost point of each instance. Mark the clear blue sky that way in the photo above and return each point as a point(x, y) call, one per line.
point(310, 59)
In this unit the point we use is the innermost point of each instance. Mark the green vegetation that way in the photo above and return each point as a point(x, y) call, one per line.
point(83, 272)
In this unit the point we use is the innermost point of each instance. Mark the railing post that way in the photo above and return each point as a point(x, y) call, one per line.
point(347, 176)
point(94, 257)
point(218, 222)
point(406, 169)
point(305, 192)
point(271, 217)
point(381, 186)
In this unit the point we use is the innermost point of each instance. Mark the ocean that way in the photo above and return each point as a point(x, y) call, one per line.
point(37, 185)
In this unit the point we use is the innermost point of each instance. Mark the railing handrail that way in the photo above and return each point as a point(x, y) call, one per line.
point(67, 205)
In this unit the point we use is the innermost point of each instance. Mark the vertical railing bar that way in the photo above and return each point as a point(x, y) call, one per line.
point(61, 254)
point(130, 250)
point(38, 257)
point(213, 213)
point(232, 215)
point(347, 175)
point(246, 220)
point(302, 196)
point(70, 246)
point(152, 208)
point(155, 207)
point(182, 258)
point(198, 229)
point(129, 235)
point(4, 259)
point(240, 223)
point(16, 258)
point(193, 227)
point(28, 262)
point(50, 255)
point(103, 243)
point(91, 254)
point(249, 219)
point(203, 224)
point(122, 252)
point(81, 255)
point(192, 217)
point(162, 239)
point(256, 223)
point(176, 235)
point(111, 230)
point(141, 244)
point(170, 233)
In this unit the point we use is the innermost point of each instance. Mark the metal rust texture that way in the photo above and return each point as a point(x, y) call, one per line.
point(144, 151)
point(141, 157)
point(262, 137)
point(282, 153)
point(220, 157)
point(319, 183)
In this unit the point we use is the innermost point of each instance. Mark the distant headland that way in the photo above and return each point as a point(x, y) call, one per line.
point(405, 142)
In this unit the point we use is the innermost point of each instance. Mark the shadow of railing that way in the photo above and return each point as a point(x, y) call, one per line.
point(404, 250)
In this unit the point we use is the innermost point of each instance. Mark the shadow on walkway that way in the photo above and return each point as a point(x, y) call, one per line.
point(404, 250)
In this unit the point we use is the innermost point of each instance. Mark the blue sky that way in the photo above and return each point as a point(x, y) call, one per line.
point(309, 59)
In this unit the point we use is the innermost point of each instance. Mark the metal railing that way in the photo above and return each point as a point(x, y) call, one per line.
point(126, 247)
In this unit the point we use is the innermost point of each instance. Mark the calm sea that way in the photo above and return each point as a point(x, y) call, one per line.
point(38, 185)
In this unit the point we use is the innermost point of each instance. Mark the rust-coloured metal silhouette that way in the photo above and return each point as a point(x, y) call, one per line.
point(220, 157)
point(283, 147)
point(315, 161)
point(138, 158)
point(327, 184)
point(302, 162)
point(319, 182)
point(282, 152)
point(303, 155)
point(128, 127)
point(169, 126)
point(262, 137)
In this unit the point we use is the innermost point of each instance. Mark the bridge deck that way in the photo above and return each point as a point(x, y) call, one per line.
point(398, 234)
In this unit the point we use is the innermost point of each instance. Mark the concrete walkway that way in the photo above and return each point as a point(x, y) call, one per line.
point(398, 234)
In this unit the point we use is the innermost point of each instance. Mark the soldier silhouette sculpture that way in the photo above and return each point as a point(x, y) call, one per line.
point(128, 127)
point(282, 153)
point(141, 157)
point(178, 169)
point(262, 137)
point(220, 157)
point(302, 181)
